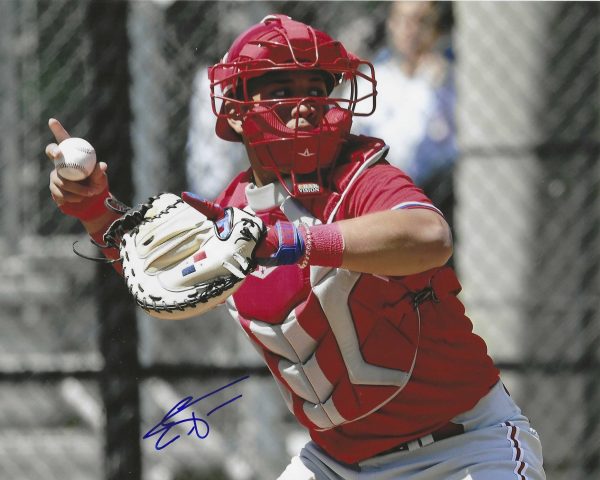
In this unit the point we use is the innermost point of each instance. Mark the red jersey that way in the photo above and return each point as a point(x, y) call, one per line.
point(360, 361)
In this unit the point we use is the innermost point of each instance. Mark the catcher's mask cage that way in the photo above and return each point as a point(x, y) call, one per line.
point(278, 44)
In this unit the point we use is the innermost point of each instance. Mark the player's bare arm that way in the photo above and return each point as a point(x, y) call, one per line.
point(396, 242)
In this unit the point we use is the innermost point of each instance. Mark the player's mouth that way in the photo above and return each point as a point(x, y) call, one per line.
point(300, 124)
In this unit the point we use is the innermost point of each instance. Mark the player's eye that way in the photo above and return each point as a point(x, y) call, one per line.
point(317, 92)
point(280, 93)
point(288, 93)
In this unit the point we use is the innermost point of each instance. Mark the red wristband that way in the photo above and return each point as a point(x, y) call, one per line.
point(324, 246)
point(88, 209)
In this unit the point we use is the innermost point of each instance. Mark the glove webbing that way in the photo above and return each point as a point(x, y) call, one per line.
point(215, 289)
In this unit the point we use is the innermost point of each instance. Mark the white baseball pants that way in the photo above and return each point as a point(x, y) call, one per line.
point(498, 444)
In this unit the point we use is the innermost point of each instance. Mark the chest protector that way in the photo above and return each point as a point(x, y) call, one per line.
point(340, 344)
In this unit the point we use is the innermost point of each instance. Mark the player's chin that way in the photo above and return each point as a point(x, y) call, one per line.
point(301, 125)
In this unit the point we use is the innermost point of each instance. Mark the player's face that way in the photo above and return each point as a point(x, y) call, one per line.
point(284, 85)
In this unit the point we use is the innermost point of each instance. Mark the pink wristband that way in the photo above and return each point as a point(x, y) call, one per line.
point(88, 209)
point(324, 245)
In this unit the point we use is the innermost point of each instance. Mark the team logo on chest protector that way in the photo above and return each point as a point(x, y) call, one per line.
point(262, 272)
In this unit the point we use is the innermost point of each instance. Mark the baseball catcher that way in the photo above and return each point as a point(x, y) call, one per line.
point(334, 264)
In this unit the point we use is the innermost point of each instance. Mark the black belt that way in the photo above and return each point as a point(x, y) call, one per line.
point(447, 431)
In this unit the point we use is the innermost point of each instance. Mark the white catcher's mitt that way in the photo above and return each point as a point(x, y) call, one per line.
point(178, 263)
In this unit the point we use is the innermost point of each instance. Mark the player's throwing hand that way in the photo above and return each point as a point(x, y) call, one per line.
point(80, 199)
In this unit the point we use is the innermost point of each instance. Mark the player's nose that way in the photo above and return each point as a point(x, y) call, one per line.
point(302, 110)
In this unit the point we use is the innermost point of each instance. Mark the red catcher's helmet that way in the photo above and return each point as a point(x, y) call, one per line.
point(280, 43)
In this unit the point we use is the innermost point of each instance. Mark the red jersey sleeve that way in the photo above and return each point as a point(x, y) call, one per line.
point(382, 187)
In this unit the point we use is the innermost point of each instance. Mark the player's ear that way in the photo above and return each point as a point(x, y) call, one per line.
point(235, 124)
point(234, 117)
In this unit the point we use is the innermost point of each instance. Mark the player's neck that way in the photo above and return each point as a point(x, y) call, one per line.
point(260, 176)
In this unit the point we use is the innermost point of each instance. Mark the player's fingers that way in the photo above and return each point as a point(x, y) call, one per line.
point(58, 130)
point(98, 181)
point(56, 194)
point(61, 196)
point(52, 151)
point(99, 172)
point(81, 189)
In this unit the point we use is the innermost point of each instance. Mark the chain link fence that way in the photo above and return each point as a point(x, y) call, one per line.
point(83, 376)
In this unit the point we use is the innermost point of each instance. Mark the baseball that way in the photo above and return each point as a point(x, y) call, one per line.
point(77, 160)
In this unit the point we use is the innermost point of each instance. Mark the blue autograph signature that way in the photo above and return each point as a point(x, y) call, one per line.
point(199, 426)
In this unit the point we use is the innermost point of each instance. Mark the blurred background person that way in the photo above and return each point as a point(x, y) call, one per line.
point(416, 97)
